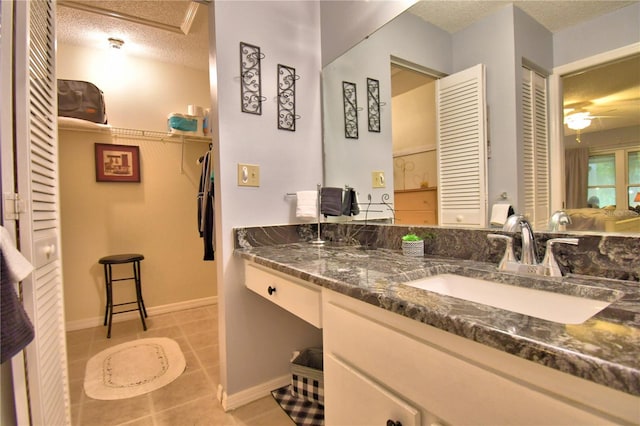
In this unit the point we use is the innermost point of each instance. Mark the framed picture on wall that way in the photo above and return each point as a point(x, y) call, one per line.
point(117, 163)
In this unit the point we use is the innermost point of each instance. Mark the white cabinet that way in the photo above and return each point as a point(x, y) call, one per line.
point(373, 404)
point(446, 378)
point(296, 296)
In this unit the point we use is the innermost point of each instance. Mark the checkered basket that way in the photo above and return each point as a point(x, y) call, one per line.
point(306, 375)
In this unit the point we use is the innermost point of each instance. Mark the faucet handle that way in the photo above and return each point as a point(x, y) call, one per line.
point(509, 256)
point(550, 266)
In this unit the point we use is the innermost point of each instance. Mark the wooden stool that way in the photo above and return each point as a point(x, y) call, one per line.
point(107, 261)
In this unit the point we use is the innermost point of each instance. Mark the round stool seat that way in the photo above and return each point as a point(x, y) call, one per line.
point(120, 258)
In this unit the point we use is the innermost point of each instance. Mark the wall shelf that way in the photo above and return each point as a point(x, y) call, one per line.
point(65, 123)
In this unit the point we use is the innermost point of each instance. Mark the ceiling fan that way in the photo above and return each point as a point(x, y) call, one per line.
point(577, 118)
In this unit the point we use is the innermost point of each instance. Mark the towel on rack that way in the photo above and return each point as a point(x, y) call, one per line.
point(500, 212)
point(307, 204)
point(331, 201)
point(16, 330)
point(350, 203)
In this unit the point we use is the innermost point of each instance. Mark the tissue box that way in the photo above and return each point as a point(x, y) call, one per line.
point(307, 379)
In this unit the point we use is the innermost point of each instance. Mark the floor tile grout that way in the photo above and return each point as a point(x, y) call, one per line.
point(179, 325)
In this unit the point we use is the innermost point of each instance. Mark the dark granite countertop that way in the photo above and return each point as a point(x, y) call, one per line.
point(604, 349)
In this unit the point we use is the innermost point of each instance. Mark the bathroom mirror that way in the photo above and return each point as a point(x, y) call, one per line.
point(413, 67)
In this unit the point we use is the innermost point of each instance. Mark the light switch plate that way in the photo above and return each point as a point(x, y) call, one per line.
point(377, 179)
point(248, 175)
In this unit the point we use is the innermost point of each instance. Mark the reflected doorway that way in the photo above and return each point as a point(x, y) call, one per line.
point(415, 170)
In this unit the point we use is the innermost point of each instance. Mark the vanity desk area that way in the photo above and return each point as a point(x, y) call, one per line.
point(397, 353)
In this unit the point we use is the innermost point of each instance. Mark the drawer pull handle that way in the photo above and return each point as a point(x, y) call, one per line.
point(392, 423)
point(271, 290)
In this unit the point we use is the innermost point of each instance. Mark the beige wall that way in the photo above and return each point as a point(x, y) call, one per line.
point(156, 217)
point(414, 129)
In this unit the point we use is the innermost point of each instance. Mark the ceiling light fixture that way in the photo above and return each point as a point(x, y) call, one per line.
point(578, 120)
point(116, 43)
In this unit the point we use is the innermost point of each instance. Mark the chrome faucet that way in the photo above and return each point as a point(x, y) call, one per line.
point(518, 222)
point(558, 221)
point(528, 263)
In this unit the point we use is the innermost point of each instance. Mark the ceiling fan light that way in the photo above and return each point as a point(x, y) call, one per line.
point(116, 43)
point(578, 121)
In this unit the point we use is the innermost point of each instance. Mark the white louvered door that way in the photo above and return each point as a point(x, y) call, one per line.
point(35, 94)
point(462, 141)
point(535, 149)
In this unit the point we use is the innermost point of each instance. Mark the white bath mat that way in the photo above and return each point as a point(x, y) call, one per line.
point(133, 368)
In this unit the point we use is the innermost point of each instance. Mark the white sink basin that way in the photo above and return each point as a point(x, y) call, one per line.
point(545, 305)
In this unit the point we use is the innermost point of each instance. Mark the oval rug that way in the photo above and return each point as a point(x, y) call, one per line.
point(133, 368)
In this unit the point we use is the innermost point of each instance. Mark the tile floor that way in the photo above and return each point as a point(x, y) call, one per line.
point(189, 400)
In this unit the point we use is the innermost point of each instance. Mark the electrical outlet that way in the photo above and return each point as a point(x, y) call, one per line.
point(377, 179)
point(248, 175)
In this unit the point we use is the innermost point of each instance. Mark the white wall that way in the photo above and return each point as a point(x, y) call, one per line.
point(414, 127)
point(355, 21)
point(139, 93)
point(256, 337)
point(608, 32)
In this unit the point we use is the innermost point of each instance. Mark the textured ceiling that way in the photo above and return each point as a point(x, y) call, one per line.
point(555, 15)
point(158, 36)
point(91, 22)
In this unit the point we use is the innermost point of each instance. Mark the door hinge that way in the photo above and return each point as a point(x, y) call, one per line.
point(13, 206)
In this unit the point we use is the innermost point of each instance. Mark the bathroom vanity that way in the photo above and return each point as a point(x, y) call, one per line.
point(397, 353)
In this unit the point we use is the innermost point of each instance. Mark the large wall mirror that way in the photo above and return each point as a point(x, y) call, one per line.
point(408, 55)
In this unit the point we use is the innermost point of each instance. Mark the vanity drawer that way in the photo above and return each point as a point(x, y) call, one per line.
point(416, 218)
point(295, 296)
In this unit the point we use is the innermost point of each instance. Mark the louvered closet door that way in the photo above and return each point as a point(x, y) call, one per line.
point(535, 148)
point(462, 180)
point(37, 166)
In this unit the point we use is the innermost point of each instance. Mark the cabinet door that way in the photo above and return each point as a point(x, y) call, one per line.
point(438, 380)
point(351, 398)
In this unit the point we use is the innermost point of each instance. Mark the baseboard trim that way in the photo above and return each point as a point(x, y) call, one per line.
point(155, 310)
point(238, 399)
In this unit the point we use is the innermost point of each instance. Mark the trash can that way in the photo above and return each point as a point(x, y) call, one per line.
point(307, 380)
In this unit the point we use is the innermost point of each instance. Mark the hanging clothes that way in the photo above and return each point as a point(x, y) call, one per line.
point(206, 207)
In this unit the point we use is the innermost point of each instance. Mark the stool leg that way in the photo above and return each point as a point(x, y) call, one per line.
point(139, 287)
point(106, 288)
point(110, 301)
point(136, 277)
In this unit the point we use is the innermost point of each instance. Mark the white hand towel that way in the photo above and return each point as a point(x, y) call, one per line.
point(499, 214)
point(307, 205)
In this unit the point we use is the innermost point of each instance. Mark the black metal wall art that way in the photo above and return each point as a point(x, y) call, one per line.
point(373, 104)
point(287, 98)
point(350, 102)
point(251, 79)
